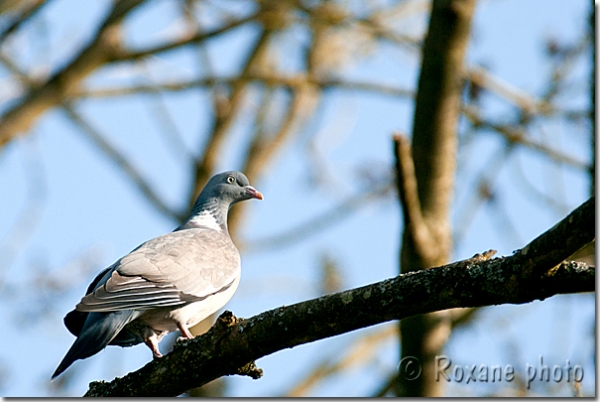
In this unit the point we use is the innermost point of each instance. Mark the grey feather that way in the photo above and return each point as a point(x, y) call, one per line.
point(168, 283)
point(99, 329)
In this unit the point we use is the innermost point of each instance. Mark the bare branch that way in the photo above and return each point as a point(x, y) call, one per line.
point(173, 138)
point(415, 225)
point(33, 8)
point(192, 38)
point(515, 135)
point(32, 211)
point(483, 78)
point(21, 117)
point(484, 192)
point(272, 80)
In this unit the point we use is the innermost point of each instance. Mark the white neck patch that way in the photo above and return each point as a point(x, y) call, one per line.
point(205, 219)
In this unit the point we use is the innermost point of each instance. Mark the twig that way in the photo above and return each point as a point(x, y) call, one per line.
point(486, 183)
point(513, 134)
point(483, 78)
point(26, 15)
point(529, 187)
point(31, 213)
point(129, 55)
point(171, 134)
point(272, 80)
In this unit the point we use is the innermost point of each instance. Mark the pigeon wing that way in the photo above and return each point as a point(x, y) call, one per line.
point(170, 270)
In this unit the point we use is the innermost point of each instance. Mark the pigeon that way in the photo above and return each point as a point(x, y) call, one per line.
point(169, 283)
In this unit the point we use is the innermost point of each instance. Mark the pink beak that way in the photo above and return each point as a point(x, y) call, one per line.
point(254, 193)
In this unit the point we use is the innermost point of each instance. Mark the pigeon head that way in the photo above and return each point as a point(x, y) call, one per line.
point(230, 187)
point(220, 193)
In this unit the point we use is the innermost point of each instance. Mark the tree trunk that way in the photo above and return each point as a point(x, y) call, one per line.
point(427, 236)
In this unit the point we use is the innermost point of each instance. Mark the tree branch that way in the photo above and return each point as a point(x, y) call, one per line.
point(516, 135)
point(232, 345)
point(105, 48)
point(21, 117)
point(415, 225)
point(30, 10)
point(272, 79)
point(196, 37)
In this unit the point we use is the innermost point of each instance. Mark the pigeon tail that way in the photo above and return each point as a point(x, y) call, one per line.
point(75, 319)
point(97, 332)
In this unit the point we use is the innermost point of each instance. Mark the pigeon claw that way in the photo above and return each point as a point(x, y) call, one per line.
point(153, 345)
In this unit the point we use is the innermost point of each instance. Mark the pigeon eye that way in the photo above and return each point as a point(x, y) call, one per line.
point(230, 179)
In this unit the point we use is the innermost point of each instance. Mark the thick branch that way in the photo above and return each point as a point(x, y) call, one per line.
point(233, 344)
point(560, 241)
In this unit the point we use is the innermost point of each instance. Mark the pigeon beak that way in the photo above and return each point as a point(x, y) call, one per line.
point(254, 193)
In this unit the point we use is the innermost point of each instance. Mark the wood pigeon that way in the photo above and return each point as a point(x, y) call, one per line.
point(169, 283)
